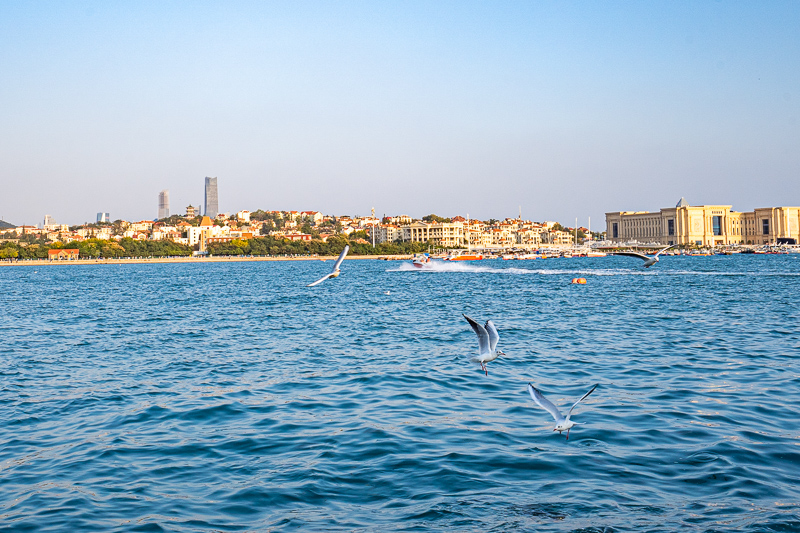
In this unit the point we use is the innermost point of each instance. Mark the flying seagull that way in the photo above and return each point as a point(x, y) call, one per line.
point(487, 343)
point(335, 272)
point(648, 260)
point(562, 423)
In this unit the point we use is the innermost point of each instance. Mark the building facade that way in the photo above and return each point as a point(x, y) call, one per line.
point(211, 209)
point(163, 204)
point(705, 225)
point(442, 233)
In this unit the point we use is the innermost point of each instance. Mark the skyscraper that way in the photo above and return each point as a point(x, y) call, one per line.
point(163, 204)
point(103, 217)
point(211, 201)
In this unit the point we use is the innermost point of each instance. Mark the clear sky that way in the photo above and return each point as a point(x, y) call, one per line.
point(567, 109)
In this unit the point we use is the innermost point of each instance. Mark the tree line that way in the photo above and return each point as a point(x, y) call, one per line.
point(273, 246)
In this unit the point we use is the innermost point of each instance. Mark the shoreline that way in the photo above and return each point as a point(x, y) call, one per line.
point(211, 259)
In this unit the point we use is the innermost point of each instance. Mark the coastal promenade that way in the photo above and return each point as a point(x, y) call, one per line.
point(210, 259)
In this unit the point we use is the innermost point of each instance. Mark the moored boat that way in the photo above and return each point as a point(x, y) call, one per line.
point(464, 256)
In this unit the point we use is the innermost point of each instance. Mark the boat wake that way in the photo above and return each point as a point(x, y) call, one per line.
point(472, 268)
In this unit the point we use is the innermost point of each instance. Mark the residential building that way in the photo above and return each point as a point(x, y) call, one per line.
point(199, 235)
point(387, 233)
point(402, 219)
point(315, 217)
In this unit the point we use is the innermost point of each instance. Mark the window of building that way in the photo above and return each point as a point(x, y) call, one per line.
point(614, 230)
point(765, 226)
point(670, 227)
point(716, 225)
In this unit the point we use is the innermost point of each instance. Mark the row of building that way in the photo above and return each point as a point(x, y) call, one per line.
point(457, 232)
point(705, 225)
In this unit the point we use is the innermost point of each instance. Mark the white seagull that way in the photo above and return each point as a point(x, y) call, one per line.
point(648, 260)
point(562, 423)
point(487, 343)
point(335, 272)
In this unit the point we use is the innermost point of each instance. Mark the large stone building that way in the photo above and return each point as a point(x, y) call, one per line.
point(442, 233)
point(705, 225)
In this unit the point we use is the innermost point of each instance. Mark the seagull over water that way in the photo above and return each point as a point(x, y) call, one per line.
point(562, 423)
point(335, 272)
point(487, 343)
point(648, 260)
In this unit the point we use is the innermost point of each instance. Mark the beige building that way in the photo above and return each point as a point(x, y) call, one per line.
point(386, 233)
point(705, 225)
point(441, 233)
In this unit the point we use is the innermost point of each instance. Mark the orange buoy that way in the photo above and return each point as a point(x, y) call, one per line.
point(579, 281)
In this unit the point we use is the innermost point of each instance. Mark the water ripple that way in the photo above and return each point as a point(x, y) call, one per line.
point(230, 397)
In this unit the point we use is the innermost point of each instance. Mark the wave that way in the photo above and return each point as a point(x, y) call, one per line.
point(472, 268)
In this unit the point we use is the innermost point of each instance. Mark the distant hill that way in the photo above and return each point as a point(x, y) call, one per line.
point(6, 225)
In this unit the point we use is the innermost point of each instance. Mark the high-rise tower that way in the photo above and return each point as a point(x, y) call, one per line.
point(163, 204)
point(211, 200)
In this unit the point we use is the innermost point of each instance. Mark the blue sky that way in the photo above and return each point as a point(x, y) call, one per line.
point(567, 109)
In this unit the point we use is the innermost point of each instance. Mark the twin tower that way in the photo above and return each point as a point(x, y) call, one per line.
point(210, 201)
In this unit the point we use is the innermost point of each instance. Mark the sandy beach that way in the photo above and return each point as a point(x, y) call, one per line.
point(211, 259)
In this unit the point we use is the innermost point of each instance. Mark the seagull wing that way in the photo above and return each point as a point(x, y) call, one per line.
point(493, 335)
point(665, 249)
point(582, 398)
point(632, 254)
point(326, 276)
point(544, 403)
point(483, 335)
point(338, 262)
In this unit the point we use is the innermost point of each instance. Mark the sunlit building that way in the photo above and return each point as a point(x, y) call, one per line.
point(705, 225)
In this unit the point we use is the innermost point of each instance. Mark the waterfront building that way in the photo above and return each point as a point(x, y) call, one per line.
point(66, 254)
point(705, 225)
point(163, 204)
point(103, 217)
point(442, 233)
point(211, 208)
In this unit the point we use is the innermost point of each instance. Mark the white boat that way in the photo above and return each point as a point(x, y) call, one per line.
point(421, 260)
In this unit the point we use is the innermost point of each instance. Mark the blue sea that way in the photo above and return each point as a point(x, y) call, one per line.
point(231, 397)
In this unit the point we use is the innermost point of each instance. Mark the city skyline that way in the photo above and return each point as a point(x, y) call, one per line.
point(569, 109)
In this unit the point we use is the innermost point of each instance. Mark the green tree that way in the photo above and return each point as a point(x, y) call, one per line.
point(435, 218)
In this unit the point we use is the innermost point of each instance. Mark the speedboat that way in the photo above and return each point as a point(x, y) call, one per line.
point(421, 260)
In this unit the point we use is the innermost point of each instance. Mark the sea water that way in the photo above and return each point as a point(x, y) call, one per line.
point(231, 397)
